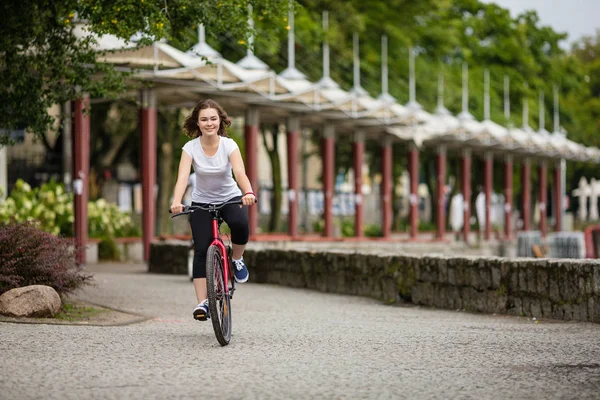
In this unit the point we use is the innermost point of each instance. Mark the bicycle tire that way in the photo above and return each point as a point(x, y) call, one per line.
point(219, 303)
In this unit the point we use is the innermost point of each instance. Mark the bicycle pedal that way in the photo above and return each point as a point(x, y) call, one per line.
point(201, 317)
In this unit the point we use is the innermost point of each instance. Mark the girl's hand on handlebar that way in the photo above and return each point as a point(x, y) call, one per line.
point(249, 199)
point(176, 208)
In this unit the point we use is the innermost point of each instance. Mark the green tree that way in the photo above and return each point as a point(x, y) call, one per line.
point(44, 63)
point(582, 107)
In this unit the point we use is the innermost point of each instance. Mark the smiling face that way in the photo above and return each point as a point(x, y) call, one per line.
point(209, 121)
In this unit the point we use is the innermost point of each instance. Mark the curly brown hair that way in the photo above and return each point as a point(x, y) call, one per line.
point(190, 125)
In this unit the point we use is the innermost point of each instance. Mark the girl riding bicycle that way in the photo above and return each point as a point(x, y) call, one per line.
point(213, 156)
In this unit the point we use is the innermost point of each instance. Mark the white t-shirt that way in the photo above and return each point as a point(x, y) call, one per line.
point(214, 181)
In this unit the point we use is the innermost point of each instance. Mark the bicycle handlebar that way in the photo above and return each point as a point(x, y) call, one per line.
point(209, 207)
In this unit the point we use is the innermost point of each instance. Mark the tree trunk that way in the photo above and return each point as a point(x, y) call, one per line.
point(276, 198)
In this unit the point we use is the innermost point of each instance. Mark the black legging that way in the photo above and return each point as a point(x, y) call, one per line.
point(236, 217)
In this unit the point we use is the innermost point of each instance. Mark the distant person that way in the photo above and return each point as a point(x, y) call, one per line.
point(213, 156)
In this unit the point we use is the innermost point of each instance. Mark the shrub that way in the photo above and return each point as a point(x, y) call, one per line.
point(48, 204)
point(347, 226)
point(52, 207)
point(30, 256)
point(106, 221)
point(108, 250)
point(373, 230)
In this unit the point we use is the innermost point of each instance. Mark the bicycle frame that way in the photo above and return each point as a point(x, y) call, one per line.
point(217, 241)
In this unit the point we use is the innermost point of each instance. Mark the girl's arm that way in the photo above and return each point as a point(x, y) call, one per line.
point(237, 165)
point(183, 174)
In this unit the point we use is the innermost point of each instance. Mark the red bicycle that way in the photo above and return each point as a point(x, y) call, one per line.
point(220, 284)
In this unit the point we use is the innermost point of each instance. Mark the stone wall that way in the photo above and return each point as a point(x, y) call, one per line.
point(169, 257)
point(545, 288)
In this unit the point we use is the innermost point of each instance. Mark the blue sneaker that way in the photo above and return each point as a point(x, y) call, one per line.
point(201, 312)
point(240, 271)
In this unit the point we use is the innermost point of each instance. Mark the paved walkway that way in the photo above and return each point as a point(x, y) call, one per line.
point(291, 343)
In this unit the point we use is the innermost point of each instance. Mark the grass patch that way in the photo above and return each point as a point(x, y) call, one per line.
point(77, 312)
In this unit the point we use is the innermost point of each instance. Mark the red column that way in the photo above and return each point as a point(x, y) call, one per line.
point(148, 141)
point(251, 127)
point(487, 183)
point(293, 134)
point(440, 168)
point(466, 189)
point(542, 176)
point(359, 155)
point(81, 168)
point(386, 188)
point(328, 176)
point(508, 196)
point(557, 190)
point(526, 185)
point(413, 163)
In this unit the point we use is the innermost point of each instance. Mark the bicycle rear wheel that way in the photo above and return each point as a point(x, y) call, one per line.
point(219, 303)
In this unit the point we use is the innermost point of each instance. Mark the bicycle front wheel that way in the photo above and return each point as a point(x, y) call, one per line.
point(219, 302)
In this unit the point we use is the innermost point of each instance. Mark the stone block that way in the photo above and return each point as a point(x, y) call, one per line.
point(583, 311)
point(514, 280)
point(526, 306)
point(496, 275)
point(542, 281)
point(432, 272)
point(462, 274)
point(558, 312)
point(440, 296)
point(451, 275)
point(169, 257)
point(530, 276)
point(594, 309)
point(422, 293)
point(535, 308)
point(480, 277)
point(417, 268)
point(472, 300)
point(546, 308)
point(523, 287)
point(496, 302)
point(553, 290)
point(454, 299)
point(442, 267)
point(514, 306)
point(568, 312)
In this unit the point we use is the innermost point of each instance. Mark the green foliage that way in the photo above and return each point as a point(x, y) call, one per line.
point(30, 256)
point(347, 227)
point(105, 220)
point(108, 250)
point(52, 209)
point(318, 225)
point(372, 230)
point(44, 63)
point(49, 205)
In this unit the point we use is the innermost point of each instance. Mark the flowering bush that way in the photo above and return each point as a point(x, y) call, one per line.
point(52, 209)
point(30, 256)
point(106, 220)
point(49, 205)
